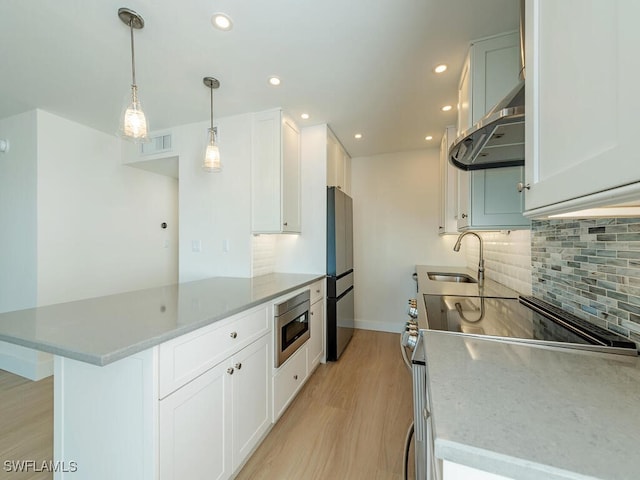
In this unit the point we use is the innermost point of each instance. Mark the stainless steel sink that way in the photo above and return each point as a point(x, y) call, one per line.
point(451, 277)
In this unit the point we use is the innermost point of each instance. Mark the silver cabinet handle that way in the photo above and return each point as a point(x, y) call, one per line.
point(464, 215)
point(238, 366)
point(521, 186)
point(233, 334)
point(230, 370)
point(425, 413)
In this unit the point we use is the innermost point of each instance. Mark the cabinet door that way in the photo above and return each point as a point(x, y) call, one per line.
point(489, 199)
point(288, 380)
point(335, 163)
point(195, 429)
point(449, 185)
point(346, 164)
point(266, 181)
point(464, 98)
point(290, 176)
point(581, 97)
point(495, 201)
point(251, 397)
point(495, 64)
point(316, 342)
point(464, 199)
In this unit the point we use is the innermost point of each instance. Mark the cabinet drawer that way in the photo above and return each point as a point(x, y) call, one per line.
point(290, 377)
point(184, 358)
point(317, 291)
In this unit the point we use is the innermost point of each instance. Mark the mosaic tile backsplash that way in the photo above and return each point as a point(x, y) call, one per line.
point(590, 268)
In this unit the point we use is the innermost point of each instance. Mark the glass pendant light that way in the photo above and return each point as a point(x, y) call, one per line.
point(212, 161)
point(133, 124)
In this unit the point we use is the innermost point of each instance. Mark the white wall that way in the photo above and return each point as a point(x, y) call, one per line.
point(215, 208)
point(79, 223)
point(18, 220)
point(98, 220)
point(396, 202)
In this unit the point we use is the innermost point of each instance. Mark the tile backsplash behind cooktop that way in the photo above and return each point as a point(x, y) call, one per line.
point(591, 268)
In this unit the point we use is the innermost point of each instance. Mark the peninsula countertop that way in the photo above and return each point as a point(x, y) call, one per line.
point(102, 330)
point(528, 412)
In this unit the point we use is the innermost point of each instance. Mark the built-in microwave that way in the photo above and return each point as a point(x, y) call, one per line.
point(291, 325)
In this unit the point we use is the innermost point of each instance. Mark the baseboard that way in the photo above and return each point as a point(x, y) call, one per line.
point(391, 327)
point(25, 362)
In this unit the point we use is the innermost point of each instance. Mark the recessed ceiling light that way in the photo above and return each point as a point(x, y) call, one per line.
point(275, 81)
point(304, 116)
point(428, 138)
point(358, 136)
point(440, 68)
point(221, 21)
point(446, 108)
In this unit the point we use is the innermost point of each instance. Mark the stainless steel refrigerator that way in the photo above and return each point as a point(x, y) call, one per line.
point(340, 314)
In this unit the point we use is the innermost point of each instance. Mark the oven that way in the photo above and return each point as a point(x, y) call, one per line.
point(291, 325)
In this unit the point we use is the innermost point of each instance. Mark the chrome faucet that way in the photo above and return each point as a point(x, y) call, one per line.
point(456, 248)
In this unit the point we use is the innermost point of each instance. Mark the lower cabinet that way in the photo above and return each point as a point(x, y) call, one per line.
point(316, 342)
point(288, 380)
point(210, 425)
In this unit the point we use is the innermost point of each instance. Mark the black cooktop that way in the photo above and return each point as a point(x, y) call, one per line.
point(526, 318)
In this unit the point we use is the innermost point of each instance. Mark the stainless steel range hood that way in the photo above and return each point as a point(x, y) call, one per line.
point(497, 140)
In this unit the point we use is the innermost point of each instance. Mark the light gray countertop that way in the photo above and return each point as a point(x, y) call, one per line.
point(530, 412)
point(105, 329)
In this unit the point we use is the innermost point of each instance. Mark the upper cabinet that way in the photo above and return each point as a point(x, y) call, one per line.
point(275, 174)
point(582, 104)
point(449, 185)
point(491, 70)
point(486, 199)
point(338, 164)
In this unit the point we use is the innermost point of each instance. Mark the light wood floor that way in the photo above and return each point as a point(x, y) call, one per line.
point(26, 424)
point(349, 422)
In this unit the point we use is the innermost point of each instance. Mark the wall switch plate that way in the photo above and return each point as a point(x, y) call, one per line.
point(196, 246)
point(225, 245)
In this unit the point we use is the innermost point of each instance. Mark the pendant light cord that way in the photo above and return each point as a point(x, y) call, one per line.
point(133, 55)
point(211, 88)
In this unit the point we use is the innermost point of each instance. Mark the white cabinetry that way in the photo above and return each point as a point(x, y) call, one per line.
point(195, 428)
point(288, 380)
point(488, 199)
point(582, 104)
point(338, 164)
point(275, 174)
point(209, 426)
point(491, 70)
point(317, 323)
point(222, 407)
point(449, 185)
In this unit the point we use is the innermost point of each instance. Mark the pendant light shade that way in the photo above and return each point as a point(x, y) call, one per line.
point(133, 123)
point(212, 161)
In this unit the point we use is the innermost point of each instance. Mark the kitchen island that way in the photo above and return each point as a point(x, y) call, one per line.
point(531, 412)
point(138, 375)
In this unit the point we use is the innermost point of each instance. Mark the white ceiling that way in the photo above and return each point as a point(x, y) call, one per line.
point(359, 65)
